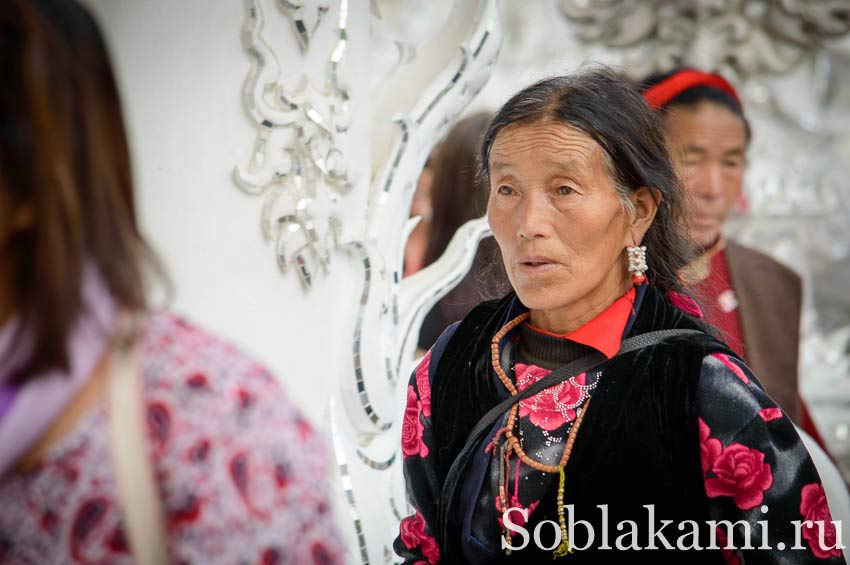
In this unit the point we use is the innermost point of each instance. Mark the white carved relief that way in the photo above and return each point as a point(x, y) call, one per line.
point(296, 163)
point(396, 37)
point(741, 36)
point(298, 168)
point(391, 310)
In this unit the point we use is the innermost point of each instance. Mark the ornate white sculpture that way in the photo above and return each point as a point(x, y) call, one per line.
point(742, 36)
point(296, 155)
point(297, 165)
point(391, 310)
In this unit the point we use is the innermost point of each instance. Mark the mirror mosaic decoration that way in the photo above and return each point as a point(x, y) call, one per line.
point(295, 150)
point(300, 172)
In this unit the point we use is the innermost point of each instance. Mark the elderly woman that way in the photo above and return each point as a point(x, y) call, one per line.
point(589, 411)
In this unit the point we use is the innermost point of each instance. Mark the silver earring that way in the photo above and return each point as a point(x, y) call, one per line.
point(637, 263)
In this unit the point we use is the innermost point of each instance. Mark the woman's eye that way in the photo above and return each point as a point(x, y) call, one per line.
point(505, 190)
point(565, 190)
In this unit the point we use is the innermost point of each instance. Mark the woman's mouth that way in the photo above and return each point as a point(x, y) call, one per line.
point(536, 265)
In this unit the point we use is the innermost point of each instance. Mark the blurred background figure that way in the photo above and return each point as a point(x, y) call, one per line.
point(239, 472)
point(417, 243)
point(456, 196)
point(753, 300)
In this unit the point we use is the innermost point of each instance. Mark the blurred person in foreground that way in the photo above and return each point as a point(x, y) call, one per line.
point(590, 384)
point(457, 197)
point(753, 300)
point(235, 473)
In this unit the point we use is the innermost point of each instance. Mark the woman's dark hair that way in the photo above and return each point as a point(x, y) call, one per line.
point(609, 108)
point(64, 158)
point(456, 193)
point(695, 96)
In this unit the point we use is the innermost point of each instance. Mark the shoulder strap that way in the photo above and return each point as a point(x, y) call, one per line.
point(572, 369)
point(143, 516)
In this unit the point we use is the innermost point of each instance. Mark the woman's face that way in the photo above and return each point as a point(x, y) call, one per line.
point(709, 147)
point(559, 222)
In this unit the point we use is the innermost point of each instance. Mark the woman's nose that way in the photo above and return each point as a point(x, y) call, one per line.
point(534, 217)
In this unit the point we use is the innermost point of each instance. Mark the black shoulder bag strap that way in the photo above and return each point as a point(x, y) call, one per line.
point(557, 376)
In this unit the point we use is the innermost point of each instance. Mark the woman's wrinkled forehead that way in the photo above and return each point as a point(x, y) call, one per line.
point(544, 142)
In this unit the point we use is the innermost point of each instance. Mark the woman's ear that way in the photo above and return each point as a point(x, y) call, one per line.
point(645, 202)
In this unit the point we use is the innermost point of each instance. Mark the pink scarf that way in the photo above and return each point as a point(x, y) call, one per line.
point(27, 411)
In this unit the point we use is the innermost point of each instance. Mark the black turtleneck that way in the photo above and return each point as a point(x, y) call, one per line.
point(547, 351)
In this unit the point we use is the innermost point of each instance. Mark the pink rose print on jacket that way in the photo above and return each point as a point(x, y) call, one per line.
point(740, 472)
point(814, 509)
point(770, 414)
point(424, 385)
point(739, 372)
point(413, 535)
point(551, 408)
point(685, 303)
point(412, 427)
point(709, 447)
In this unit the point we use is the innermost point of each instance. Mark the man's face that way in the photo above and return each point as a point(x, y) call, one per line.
point(709, 146)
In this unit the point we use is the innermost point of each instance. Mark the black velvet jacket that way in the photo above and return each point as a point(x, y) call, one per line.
point(641, 442)
point(638, 444)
